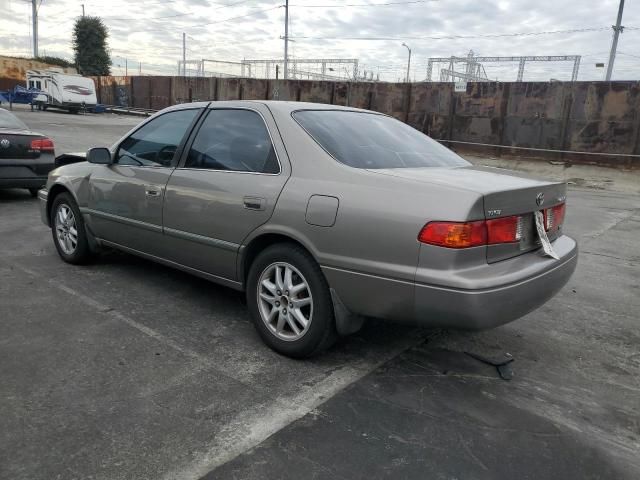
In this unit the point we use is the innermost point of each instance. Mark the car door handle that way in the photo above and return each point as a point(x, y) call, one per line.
point(151, 191)
point(254, 203)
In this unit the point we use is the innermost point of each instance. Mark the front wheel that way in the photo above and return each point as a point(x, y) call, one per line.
point(67, 227)
point(289, 301)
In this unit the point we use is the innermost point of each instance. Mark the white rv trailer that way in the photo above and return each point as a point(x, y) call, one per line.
point(63, 90)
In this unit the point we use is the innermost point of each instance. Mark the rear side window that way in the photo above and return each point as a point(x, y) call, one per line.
point(367, 140)
point(9, 120)
point(233, 140)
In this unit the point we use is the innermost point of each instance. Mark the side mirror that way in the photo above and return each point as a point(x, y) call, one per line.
point(99, 155)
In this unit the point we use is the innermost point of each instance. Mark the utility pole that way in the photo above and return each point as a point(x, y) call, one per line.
point(139, 68)
point(286, 40)
point(184, 54)
point(617, 30)
point(83, 9)
point(34, 18)
point(408, 63)
point(126, 68)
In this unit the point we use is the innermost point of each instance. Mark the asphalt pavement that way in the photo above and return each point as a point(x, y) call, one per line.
point(125, 369)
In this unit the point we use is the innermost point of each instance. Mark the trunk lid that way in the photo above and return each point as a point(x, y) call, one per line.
point(505, 193)
point(16, 144)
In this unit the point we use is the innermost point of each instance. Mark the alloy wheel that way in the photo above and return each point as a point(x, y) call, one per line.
point(285, 302)
point(66, 229)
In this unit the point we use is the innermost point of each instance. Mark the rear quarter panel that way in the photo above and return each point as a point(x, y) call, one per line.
point(370, 255)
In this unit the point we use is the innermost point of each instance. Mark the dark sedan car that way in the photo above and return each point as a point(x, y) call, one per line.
point(26, 157)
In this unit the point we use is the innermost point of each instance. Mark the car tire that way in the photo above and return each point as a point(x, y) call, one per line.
point(311, 301)
point(34, 192)
point(68, 230)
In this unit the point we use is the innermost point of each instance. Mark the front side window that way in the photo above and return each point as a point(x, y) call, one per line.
point(367, 140)
point(233, 140)
point(156, 143)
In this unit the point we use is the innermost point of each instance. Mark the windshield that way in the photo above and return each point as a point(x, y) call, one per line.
point(8, 120)
point(367, 140)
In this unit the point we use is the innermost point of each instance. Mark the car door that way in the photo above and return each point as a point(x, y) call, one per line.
point(226, 185)
point(125, 198)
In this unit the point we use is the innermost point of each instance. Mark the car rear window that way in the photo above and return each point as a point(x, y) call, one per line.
point(368, 140)
point(8, 120)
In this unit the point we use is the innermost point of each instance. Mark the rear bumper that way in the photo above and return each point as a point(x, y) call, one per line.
point(32, 182)
point(26, 173)
point(505, 291)
point(490, 307)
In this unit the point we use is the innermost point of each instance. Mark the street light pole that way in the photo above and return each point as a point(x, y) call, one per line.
point(408, 63)
point(614, 45)
point(34, 18)
point(285, 72)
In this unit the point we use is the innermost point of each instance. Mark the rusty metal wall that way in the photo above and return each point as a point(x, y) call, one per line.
point(579, 116)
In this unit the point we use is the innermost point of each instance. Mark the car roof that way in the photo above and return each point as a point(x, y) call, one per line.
point(275, 105)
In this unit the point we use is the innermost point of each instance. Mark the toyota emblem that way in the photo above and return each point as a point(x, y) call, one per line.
point(540, 199)
point(4, 143)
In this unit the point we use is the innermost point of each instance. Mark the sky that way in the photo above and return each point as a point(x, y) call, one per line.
point(148, 33)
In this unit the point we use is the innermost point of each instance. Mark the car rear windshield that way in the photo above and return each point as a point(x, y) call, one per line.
point(8, 120)
point(368, 140)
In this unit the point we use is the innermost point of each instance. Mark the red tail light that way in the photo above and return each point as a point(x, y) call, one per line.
point(554, 217)
point(472, 234)
point(42, 144)
point(454, 234)
point(504, 230)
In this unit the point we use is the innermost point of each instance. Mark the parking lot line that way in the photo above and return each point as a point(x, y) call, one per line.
point(113, 313)
point(250, 427)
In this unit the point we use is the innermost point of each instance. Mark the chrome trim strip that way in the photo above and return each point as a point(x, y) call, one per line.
point(125, 221)
point(194, 237)
point(207, 276)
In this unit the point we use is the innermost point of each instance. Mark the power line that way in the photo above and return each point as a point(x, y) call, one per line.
point(222, 5)
point(453, 37)
point(365, 4)
point(213, 23)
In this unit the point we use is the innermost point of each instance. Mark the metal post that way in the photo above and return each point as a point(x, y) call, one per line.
point(576, 67)
point(408, 63)
point(520, 70)
point(34, 18)
point(286, 39)
point(83, 9)
point(184, 54)
point(614, 45)
point(126, 68)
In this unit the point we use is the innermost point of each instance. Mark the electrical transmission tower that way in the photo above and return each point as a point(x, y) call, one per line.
point(473, 71)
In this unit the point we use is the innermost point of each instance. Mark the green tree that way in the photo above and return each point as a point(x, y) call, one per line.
point(90, 46)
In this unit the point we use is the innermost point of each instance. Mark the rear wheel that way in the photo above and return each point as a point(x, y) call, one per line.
point(289, 301)
point(67, 227)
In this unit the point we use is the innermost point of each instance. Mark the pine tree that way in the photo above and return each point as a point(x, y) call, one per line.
point(90, 46)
